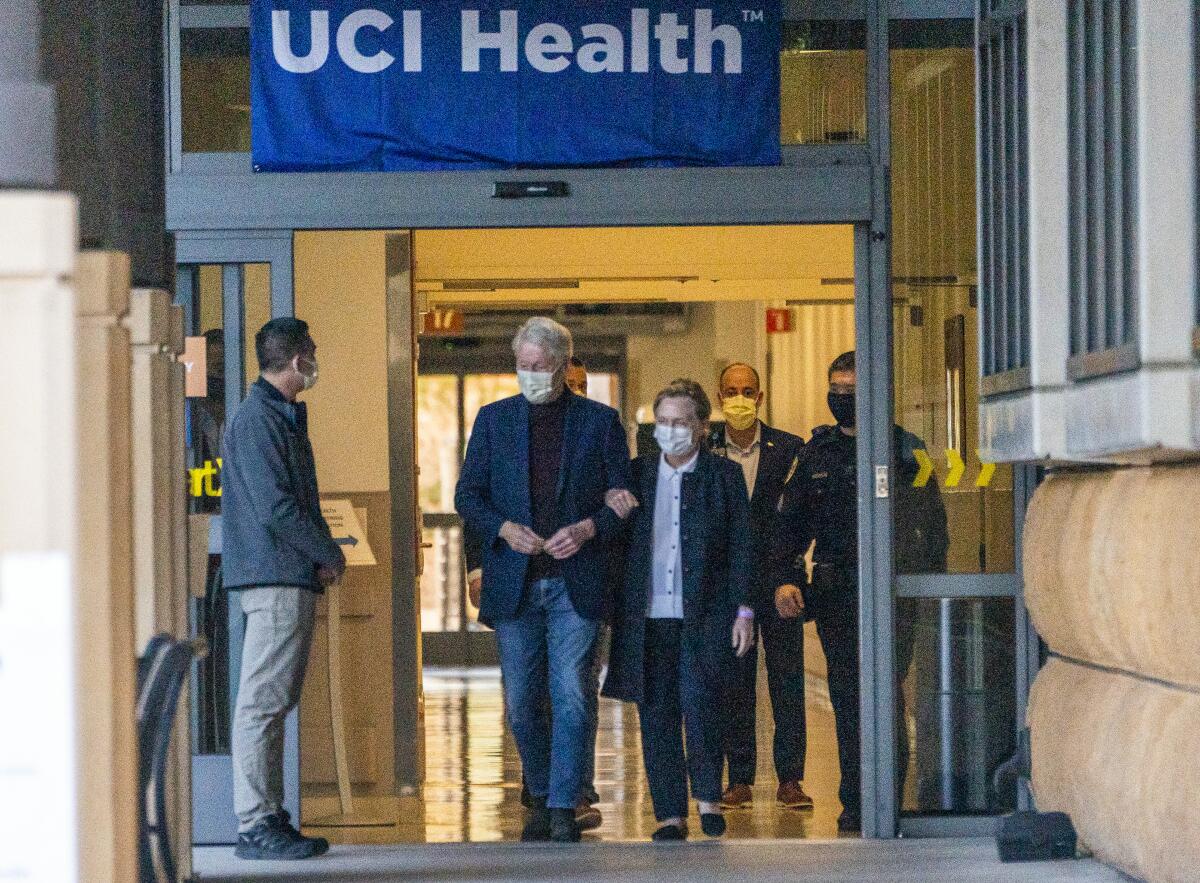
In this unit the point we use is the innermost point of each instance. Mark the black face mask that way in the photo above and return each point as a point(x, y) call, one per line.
point(842, 406)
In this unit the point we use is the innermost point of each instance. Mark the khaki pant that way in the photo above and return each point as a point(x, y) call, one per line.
point(279, 632)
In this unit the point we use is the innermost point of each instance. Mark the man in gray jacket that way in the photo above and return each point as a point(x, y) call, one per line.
point(278, 554)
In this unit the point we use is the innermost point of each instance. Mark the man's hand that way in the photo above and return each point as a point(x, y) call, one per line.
point(327, 575)
point(788, 601)
point(570, 539)
point(742, 638)
point(475, 587)
point(620, 501)
point(521, 539)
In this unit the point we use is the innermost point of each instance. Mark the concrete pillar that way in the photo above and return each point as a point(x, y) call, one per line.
point(159, 514)
point(26, 104)
point(40, 687)
point(108, 781)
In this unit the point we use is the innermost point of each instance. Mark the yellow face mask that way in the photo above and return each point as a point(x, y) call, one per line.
point(740, 412)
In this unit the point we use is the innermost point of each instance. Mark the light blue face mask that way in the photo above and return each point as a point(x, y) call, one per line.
point(673, 440)
point(537, 386)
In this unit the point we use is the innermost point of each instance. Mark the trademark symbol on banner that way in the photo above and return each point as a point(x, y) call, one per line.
point(752, 15)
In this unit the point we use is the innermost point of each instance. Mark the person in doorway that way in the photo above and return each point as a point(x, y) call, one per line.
point(278, 554)
point(821, 504)
point(587, 816)
point(576, 377)
point(532, 490)
point(768, 458)
point(684, 602)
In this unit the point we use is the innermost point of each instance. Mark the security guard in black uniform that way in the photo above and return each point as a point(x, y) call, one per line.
point(821, 504)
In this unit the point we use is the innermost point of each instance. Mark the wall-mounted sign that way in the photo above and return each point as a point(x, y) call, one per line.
point(349, 531)
point(779, 321)
point(401, 85)
point(443, 322)
point(195, 370)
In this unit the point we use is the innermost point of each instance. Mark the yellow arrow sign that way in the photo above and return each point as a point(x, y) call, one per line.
point(955, 462)
point(986, 471)
point(926, 469)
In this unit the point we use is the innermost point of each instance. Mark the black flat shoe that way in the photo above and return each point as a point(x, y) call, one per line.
point(537, 823)
point(712, 824)
point(563, 828)
point(670, 834)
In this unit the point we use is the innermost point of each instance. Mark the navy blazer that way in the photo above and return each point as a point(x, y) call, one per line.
point(778, 457)
point(714, 532)
point(494, 488)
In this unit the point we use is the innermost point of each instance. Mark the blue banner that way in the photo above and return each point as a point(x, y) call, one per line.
point(410, 85)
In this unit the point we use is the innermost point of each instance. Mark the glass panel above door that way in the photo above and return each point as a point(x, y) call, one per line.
point(823, 82)
point(214, 78)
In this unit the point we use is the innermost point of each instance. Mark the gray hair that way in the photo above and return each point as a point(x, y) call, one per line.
point(686, 388)
point(547, 335)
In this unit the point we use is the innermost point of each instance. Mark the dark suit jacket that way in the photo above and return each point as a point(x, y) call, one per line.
point(494, 488)
point(777, 459)
point(714, 532)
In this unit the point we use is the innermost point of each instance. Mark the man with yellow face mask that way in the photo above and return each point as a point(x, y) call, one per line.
point(768, 459)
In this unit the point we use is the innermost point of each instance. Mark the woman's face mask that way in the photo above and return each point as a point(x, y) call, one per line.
point(674, 440)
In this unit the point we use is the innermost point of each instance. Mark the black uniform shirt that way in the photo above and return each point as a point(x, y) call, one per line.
point(821, 503)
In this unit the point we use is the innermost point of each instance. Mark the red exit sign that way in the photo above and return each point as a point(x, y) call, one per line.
point(779, 321)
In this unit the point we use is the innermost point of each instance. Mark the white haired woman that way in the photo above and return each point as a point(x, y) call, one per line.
point(685, 599)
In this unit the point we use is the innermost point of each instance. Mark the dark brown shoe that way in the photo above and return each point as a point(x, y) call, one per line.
point(737, 796)
point(587, 817)
point(791, 795)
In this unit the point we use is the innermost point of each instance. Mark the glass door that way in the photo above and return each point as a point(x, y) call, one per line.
point(228, 286)
point(955, 704)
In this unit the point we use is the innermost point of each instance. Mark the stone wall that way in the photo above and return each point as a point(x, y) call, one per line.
point(1112, 571)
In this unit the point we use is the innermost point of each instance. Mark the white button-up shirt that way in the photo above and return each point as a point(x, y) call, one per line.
point(746, 457)
point(666, 585)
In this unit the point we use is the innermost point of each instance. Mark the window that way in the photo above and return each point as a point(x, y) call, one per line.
point(1101, 161)
point(1003, 199)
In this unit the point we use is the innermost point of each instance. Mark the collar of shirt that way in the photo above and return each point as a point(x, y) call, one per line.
point(749, 449)
point(666, 470)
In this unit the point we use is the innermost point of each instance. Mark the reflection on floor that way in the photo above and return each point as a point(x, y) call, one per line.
point(473, 773)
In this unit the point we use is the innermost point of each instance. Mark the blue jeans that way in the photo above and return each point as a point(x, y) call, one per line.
point(548, 643)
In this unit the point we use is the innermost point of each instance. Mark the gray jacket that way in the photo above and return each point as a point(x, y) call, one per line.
point(274, 533)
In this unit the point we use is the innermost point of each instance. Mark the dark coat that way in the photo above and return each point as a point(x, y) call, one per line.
point(778, 457)
point(273, 531)
point(494, 488)
point(714, 532)
point(821, 504)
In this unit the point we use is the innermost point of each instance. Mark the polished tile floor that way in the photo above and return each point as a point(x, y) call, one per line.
point(736, 861)
point(473, 796)
point(473, 773)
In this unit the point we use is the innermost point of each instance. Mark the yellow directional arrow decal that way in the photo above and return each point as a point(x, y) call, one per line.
point(986, 471)
point(955, 462)
point(926, 469)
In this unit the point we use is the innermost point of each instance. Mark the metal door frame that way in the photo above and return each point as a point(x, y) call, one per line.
point(838, 184)
point(213, 820)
